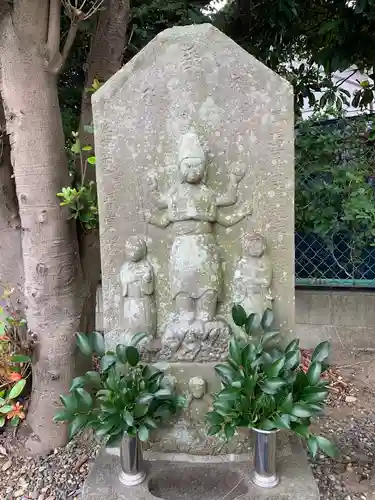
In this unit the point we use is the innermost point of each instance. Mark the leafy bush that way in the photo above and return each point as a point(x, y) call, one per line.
point(126, 396)
point(264, 388)
point(334, 173)
point(15, 359)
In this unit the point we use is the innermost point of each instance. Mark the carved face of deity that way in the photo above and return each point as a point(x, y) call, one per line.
point(197, 387)
point(256, 245)
point(192, 170)
point(135, 248)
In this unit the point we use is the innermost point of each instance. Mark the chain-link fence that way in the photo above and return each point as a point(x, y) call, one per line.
point(335, 203)
point(318, 265)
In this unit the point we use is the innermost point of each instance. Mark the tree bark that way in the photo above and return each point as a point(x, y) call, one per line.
point(50, 252)
point(104, 59)
point(11, 265)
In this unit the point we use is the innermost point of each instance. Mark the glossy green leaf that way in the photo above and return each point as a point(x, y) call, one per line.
point(137, 338)
point(132, 355)
point(267, 319)
point(128, 418)
point(20, 358)
point(229, 430)
point(2, 421)
point(107, 361)
point(17, 389)
point(228, 394)
point(84, 397)
point(239, 315)
point(121, 353)
point(292, 359)
point(268, 336)
point(275, 368)
point(253, 322)
point(214, 418)
point(5, 409)
point(83, 344)
point(225, 372)
point(163, 394)
point(91, 160)
point(234, 351)
point(272, 385)
point(287, 404)
point(70, 401)
point(77, 382)
point(319, 395)
point(301, 410)
point(314, 372)
point(312, 445)
point(63, 416)
point(93, 378)
point(292, 346)
point(214, 429)
point(76, 425)
point(143, 433)
point(301, 430)
point(327, 446)
point(14, 421)
point(150, 423)
point(282, 421)
point(145, 399)
point(140, 410)
point(98, 344)
point(87, 148)
point(105, 428)
point(321, 352)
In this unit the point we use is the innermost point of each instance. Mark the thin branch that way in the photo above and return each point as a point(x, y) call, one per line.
point(53, 37)
point(67, 46)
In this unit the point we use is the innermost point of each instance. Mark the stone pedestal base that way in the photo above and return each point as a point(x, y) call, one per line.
point(184, 477)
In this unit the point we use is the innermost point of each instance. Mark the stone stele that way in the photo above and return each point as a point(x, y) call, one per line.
point(195, 172)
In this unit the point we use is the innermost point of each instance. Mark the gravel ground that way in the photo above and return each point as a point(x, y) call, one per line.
point(59, 476)
point(351, 424)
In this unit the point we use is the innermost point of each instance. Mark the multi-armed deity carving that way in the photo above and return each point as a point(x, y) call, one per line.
point(253, 276)
point(191, 208)
point(137, 281)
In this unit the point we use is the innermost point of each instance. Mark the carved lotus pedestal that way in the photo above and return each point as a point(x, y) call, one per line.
point(186, 477)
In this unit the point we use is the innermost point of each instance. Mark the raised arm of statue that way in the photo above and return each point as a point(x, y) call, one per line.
point(160, 199)
point(159, 220)
point(230, 196)
point(228, 220)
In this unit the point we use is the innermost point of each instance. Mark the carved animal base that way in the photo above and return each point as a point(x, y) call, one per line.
point(186, 477)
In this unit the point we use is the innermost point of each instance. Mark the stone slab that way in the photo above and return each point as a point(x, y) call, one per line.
point(194, 77)
point(183, 477)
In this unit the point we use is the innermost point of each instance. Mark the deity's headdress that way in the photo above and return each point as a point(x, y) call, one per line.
point(190, 147)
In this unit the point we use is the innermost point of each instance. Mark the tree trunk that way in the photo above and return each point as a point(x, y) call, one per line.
point(11, 266)
point(104, 59)
point(50, 251)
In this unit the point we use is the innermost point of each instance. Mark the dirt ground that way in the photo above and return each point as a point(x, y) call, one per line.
point(350, 422)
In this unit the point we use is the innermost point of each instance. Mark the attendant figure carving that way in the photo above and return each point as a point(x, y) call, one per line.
point(253, 277)
point(138, 282)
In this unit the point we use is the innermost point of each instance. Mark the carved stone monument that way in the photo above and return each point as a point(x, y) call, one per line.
point(194, 148)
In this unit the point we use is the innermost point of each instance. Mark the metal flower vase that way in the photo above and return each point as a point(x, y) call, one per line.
point(132, 464)
point(265, 459)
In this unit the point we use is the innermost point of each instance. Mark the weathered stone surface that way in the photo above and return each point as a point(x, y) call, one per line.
point(194, 148)
point(184, 477)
